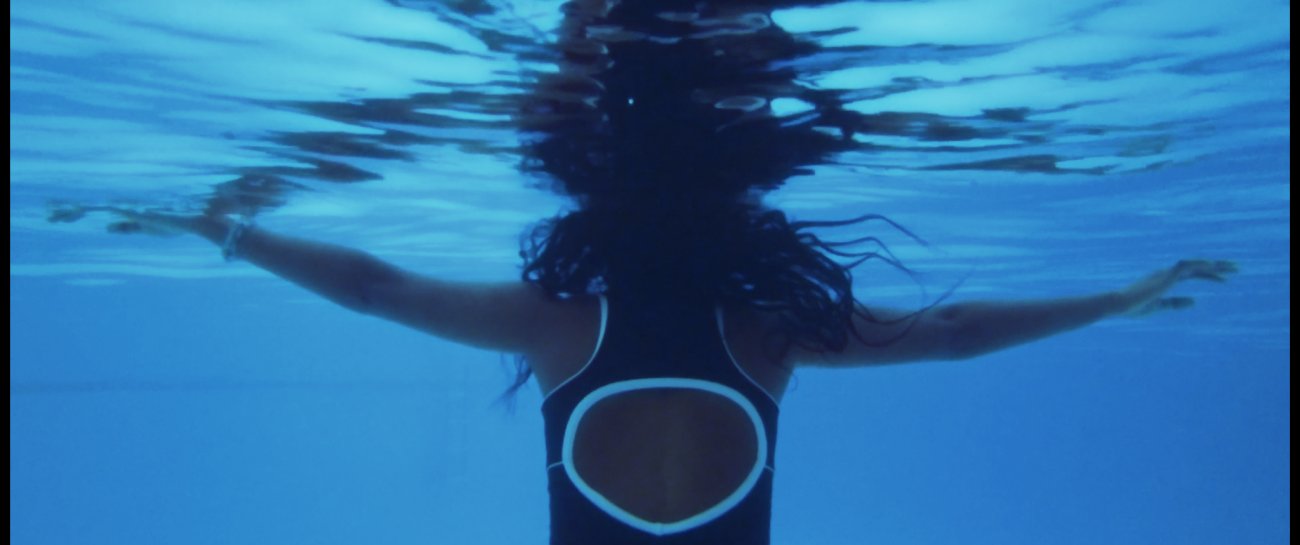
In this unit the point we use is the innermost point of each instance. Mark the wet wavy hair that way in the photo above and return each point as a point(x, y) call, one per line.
point(666, 146)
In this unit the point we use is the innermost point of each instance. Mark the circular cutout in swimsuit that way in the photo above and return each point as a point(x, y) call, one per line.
point(664, 455)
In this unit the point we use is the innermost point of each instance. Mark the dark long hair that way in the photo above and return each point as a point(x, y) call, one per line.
point(665, 139)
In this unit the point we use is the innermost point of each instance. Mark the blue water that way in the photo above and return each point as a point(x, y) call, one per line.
point(161, 395)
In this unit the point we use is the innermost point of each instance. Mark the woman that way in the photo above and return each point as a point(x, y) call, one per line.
point(664, 317)
point(677, 426)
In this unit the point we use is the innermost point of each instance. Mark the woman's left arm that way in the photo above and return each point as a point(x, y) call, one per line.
point(982, 327)
point(968, 329)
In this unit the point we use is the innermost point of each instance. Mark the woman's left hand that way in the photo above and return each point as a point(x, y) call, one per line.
point(1146, 296)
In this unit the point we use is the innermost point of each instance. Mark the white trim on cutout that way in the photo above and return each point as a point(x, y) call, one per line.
point(693, 521)
point(604, 318)
point(723, 333)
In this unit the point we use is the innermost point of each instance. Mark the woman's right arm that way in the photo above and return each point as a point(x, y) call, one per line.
point(502, 316)
point(337, 273)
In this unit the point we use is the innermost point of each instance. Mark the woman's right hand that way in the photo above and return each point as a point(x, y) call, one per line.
point(135, 221)
point(160, 224)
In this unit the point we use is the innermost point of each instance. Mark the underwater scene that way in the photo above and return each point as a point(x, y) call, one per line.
point(202, 196)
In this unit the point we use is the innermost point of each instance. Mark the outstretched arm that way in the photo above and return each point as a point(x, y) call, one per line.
point(342, 275)
point(969, 329)
point(505, 316)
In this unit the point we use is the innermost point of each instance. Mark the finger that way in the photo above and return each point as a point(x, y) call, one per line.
point(125, 227)
point(1224, 267)
point(66, 214)
point(1208, 276)
point(1218, 266)
point(1205, 269)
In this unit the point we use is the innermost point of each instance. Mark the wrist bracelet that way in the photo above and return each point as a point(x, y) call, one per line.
point(231, 246)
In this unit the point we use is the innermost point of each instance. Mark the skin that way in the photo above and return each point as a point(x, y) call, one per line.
point(666, 456)
point(480, 314)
